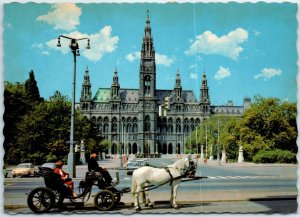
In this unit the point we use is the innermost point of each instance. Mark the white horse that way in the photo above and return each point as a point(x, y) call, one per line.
point(145, 176)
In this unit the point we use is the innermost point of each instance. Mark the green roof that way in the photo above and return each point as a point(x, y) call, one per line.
point(102, 95)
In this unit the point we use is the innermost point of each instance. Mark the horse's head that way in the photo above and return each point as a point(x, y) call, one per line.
point(190, 166)
point(183, 165)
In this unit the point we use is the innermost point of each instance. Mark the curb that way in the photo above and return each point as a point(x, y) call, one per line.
point(128, 205)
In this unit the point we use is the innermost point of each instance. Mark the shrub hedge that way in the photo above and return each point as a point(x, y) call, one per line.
point(275, 156)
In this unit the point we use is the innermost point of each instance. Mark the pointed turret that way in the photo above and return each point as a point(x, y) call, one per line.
point(147, 65)
point(204, 98)
point(115, 87)
point(86, 93)
point(178, 88)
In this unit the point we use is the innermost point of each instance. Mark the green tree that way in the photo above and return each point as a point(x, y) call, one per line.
point(46, 129)
point(32, 90)
point(16, 107)
point(209, 130)
point(268, 124)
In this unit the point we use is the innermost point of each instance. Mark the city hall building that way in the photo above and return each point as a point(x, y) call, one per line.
point(131, 118)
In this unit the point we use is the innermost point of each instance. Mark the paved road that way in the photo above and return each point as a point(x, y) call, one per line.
point(229, 188)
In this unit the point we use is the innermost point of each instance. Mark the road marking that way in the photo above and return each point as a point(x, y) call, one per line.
point(240, 177)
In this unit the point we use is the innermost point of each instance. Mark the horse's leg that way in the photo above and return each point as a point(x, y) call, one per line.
point(136, 198)
point(174, 196)
point(171, 199)
point(147, 200)
point(144, 194)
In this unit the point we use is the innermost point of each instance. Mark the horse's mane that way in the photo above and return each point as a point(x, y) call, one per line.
point(179, 164)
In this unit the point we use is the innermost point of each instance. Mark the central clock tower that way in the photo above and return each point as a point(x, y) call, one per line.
point(147, 66)
point(147, 95)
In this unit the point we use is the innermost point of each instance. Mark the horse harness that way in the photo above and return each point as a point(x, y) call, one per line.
point(191, 169)
point(171, 177)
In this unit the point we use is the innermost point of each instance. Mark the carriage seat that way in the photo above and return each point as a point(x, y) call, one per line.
point(95, 178)
point(53, 181)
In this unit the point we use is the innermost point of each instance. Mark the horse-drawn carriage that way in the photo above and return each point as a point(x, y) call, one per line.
point(43, 199)
point(144, 179)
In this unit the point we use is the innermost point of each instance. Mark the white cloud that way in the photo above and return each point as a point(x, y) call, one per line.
point(227, 45)
point(133, 56)
point(268, 73)
point(193, 76)
point(222, 73)
point(63, 16)
point(256, 33)
point(160, 59)
point(38, 46)
point(101, 43)
point(193, 66)
point(47, 53)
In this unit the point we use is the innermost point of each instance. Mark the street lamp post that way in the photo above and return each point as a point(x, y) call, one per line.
point(218, 156)
point(75, 50)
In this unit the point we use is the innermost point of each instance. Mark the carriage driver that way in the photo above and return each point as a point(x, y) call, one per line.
point(94, 166)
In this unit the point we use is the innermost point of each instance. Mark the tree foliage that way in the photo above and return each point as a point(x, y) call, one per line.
point(38, 131)
point(32, 90)
point(275, 156)
point(268, 124)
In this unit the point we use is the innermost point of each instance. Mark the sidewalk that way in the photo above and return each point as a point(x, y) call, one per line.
point(198, 196)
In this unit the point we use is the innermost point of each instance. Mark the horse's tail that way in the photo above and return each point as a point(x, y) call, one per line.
point(133, 185)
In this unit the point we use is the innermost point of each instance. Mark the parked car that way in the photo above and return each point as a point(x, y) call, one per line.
point(49, 165)
point(134, 164)
point(23, 169)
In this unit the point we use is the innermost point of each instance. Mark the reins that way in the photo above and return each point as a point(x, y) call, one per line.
point(151, 187)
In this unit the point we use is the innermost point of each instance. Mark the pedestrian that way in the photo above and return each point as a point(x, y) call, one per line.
point(94, 166)
point(65, 177)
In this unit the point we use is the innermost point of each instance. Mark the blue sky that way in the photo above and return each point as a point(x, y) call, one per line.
point(246, 49)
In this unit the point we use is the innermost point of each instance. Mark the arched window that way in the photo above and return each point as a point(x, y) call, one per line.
point(147, 85)
point(128, 130)
point(178, 125)
point(114, 126)
point(147, 123)
point(170, 125)
point(186, 127)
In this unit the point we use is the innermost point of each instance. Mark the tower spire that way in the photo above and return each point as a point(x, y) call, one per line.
point(147, 65)
point(115, 87)
point(204, 97)
point(86, 92)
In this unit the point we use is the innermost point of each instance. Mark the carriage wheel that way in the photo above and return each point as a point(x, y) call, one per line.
point(41, 200)
point(104, 200)
point(58, 200)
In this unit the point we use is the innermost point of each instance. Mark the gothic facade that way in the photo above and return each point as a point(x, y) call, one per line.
point(130, 118)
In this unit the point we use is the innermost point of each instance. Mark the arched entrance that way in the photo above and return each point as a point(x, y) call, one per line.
point(114, 148)
point(134, 148)
point(159, 149)
point(170, 148)
point(165, 149)
point(129, 148)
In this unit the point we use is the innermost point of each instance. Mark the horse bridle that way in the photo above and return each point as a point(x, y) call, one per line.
point(191, 168)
